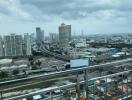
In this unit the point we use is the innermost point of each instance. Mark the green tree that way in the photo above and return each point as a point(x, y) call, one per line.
point(15, 72)
point(31, 58)
point(32, 62)
point(34, 67)
point(38, 63)
point(3, 74)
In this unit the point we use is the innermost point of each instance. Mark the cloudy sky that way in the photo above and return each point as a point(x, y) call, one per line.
point(91, 16)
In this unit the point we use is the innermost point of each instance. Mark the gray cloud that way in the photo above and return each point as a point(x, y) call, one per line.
point(74, 11)
point(66, 9)
point(4, 11)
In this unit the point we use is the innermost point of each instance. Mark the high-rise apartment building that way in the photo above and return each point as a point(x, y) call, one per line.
point(27, 44)
point(39, 36)
point(18, 43)
point(64, 35)
point(13, 45)
point(53, 37)
point(1, 47)
point(33, 38)
point(7, 45)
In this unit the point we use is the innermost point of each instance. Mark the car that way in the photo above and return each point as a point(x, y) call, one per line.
point(93, 97)
point(73, 98)
point(37, 97)
point(23, 99)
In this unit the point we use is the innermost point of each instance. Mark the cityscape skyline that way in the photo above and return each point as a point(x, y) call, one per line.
point(91, 16)
point(65, 50)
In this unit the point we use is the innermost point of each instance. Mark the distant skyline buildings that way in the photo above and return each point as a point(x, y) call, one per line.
point(75, 30)
point(53, 37)
point(14, 45)
point(39, 35)
point(1, 47)
point(27, 44)
point(64, 35)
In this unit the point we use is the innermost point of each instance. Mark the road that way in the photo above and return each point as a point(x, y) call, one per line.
point(57, 56)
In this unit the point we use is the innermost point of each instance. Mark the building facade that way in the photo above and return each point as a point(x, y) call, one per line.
point(64, 35)
point(13, 45)
point(53, 38)
point(1, 47)
point(27, 45)
point(39, 36)
point(7, 45)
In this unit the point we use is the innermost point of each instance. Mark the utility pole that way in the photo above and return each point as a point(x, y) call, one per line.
point(1, 97)
point(78, 88)
point(86, 83)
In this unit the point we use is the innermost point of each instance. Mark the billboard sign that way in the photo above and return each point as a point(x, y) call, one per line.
point(79, 63)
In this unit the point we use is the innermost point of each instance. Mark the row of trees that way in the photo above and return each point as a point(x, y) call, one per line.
point(119, 45)
point(5, 74)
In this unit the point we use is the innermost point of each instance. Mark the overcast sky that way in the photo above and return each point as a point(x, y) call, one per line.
point(91, 16)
